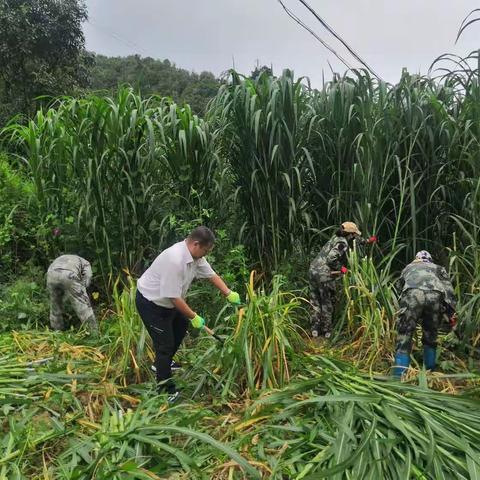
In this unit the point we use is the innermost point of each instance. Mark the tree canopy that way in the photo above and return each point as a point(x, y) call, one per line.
point(151, 76)
point(41, 51)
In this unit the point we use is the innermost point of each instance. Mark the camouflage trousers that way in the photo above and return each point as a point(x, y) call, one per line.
point(62, 288)
point(322, 299)
point(418, 307)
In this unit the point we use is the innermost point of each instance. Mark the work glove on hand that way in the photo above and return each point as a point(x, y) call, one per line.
point(233, 298)
point(344, 270)
point(372, 239)
point(197, 321)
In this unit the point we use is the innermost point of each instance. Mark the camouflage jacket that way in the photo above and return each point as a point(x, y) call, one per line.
point(332, 257)
point(74, 267)
point(427, 276)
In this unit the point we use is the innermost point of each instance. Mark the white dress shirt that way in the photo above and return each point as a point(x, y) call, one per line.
point(171, 274)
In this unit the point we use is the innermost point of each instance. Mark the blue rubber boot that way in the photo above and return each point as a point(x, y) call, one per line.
point(402, 361)
point(429, 358)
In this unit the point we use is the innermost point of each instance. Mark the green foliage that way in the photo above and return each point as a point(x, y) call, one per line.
point(41, 50)
point(265, 134)
point(395, 158)
point(27, 430)
point(367, 311)
point(339, 424)
point(329, 420)
point(155, 77)
point(111, 165)
point(18, 217)
point(128, 351)
point(398, 159)
point(273, 164)
point(261, 340)
point(143, 443)
point(24, 302)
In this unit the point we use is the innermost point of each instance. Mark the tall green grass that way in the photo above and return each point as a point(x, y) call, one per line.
point(129, 353)
point(261, 341)
point(367, 312)
point(282, 160)
point(265, 127)
point(120, 167)
point(274, 163)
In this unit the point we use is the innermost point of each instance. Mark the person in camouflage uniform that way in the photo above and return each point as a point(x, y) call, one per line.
point(426, 293)
point(67, 280)
point(325, 270)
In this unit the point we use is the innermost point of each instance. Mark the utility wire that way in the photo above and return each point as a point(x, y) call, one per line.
point(118, 38)
point(308, 29)
point(339, 38)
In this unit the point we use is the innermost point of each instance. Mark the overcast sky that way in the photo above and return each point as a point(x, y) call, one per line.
point(215, 34)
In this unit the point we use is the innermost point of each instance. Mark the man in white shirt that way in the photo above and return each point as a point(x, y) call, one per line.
point(160, 300)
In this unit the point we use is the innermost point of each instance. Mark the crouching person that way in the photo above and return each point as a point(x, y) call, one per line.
point(160, 299)
point(68, 278)
point(426, 291)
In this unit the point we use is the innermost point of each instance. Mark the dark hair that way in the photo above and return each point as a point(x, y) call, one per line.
point(202, 235)
point(341, 232)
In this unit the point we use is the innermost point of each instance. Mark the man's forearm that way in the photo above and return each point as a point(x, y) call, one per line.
point(220, 284)
point(182, 306)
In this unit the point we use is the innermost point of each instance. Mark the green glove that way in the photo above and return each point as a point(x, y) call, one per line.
point(233, 297)
point(197, 321)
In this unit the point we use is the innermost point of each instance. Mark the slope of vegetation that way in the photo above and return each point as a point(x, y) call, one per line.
point(272, 166)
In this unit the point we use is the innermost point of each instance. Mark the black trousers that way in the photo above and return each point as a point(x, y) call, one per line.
point(167, 327)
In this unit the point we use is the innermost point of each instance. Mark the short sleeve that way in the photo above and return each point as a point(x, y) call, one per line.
point(203, 269)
